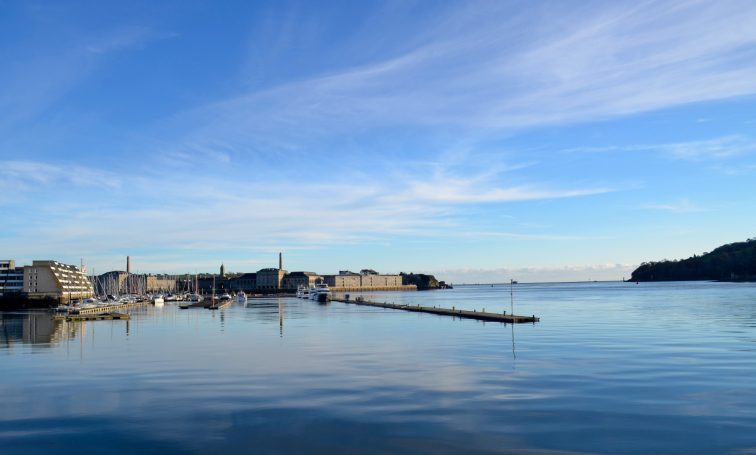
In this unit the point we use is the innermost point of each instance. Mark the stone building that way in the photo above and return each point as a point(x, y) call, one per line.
point(368, 279)
point(345, 279)
point(293, 280)
point(270, 279)
point(380, 281)
point(246, 282)
point(51, 279)
point(160, 283)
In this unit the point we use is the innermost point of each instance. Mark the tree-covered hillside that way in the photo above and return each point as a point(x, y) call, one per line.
point(733, 262)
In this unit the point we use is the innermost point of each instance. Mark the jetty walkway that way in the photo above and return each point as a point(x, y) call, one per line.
point(92, 317)
point(209, 304)
point(468, 314)
point(102, 309)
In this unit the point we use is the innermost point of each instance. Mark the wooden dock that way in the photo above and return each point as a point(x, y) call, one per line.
point(219, 305)
point(92, 317)
point(467, 314)
point(107, 308)
point(187, 305)
point(209, 304)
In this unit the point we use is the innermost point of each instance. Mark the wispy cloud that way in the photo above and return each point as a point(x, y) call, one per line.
point(17, 176)
point(168, 212)
point(571, 65)
point(127, 37)
point(715, 149)
point(682, 206)
point(34, 81)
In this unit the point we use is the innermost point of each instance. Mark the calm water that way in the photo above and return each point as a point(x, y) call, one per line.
point(611, 368)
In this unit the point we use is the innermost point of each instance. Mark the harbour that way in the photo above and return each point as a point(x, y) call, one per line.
point(612, 360)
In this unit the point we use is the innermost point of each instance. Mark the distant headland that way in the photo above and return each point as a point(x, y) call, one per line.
point(732, 262)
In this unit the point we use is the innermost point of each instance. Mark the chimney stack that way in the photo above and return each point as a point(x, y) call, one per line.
point(280, 261)
point(128, 265)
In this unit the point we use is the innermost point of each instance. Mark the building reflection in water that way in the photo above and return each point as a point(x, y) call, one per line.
point(42, 329)
point(34, 328)
point(266, 309)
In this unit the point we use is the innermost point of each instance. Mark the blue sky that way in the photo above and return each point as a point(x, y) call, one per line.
point(480, 141)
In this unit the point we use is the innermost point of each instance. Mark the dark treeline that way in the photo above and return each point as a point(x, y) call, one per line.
point(733, 262)
point(422, 281)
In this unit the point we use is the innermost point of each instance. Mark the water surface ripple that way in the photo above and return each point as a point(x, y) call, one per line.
point(611, 368)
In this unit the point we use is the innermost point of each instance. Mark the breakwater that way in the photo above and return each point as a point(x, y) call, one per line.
point(467, 314)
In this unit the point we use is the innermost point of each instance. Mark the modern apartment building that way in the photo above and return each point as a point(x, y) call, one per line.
point(51, 279)
point(11, 277)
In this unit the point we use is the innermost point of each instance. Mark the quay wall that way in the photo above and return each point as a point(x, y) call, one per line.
point(408, 287)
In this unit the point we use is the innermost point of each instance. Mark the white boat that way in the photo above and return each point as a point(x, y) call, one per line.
point(224, 297)
point(322, 292)
point(195, 298)
point(83, 304)
point(241, 297)
point(63, 308)
point(303, 292)
point(311, 293)
point(157, 300)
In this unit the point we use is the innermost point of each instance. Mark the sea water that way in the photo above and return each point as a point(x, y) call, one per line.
point(610, 368)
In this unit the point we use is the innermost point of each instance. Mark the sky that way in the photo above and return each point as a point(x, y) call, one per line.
point(479, 141)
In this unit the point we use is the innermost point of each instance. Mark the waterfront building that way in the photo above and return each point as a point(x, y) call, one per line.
point(345, 279)
point(246, 282)
point(270, 279)
point(209, 282)
point(368, 279)
point(11, 277)
point(113, 283)
point(52, 279)
point(293, 280)
point(380, 281)
point(160, 283)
